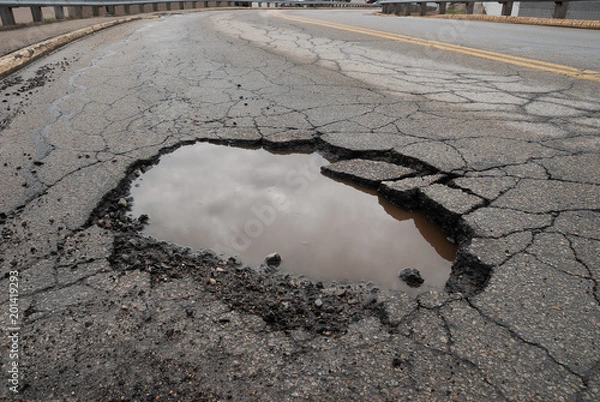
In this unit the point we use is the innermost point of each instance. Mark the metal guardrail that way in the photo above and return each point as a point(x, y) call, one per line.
point(405, 7)
point(7, 16)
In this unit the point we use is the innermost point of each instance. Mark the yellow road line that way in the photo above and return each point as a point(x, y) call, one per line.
point(583, 74)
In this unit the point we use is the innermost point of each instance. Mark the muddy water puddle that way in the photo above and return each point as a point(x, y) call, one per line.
point(252, 203)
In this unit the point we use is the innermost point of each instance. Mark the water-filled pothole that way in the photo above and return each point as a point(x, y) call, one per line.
point(252, 203)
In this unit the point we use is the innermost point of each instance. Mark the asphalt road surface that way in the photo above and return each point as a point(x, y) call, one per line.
point(573, 47)
point(500, 141)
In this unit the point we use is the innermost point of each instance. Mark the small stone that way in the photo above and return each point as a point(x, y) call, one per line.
point(212, 281)
point(122, 202)
point(235, 260)
point(318, 302)
point(273, 259)
point(411, 276)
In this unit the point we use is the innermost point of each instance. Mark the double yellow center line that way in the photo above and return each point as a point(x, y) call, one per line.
point(583, 74)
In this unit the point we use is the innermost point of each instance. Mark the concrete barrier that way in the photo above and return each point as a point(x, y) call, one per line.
point(40, 9)
point(584, 24)
point(407, 7)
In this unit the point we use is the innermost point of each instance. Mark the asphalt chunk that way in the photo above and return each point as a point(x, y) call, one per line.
point(367, 172)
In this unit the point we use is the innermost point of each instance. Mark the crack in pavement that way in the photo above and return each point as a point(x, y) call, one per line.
point(519, 320)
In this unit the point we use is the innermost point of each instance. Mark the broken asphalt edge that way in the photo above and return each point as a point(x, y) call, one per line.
point(469, 274)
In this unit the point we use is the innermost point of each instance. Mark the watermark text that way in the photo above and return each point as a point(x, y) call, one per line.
point(13, 332)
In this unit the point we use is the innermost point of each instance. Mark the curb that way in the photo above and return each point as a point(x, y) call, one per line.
point(19, 58)
point(583, 24)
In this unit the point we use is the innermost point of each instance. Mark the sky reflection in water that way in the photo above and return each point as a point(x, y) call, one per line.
point(252, 202)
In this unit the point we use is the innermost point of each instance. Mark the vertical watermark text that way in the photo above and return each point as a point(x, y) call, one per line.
point(13, 330)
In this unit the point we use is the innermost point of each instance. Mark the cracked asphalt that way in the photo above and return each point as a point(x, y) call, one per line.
point(504, 158)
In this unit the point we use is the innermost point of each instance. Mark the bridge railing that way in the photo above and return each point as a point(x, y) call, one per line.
point(108, 6)
point(406, 7)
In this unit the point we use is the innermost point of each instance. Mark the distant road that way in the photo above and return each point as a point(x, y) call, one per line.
point(577, 48)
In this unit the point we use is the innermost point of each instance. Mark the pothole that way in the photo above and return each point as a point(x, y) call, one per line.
point(252, 202)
